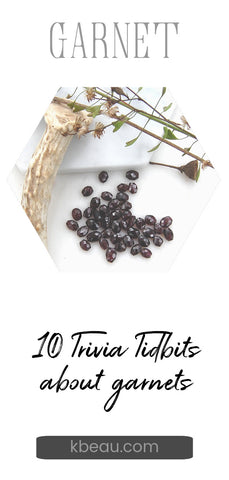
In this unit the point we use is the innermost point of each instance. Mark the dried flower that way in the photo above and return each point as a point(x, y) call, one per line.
point(99, 130)
point(206, 163)
point(82, 122)
point(112, 111)
point(90, 93)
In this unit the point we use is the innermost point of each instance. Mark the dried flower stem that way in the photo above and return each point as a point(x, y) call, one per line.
point(164, 140)
point(143, 130)
point(165, 165)
point(166, 122)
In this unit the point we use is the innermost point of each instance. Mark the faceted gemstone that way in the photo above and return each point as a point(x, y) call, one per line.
point(157, 240)
point(94, 236)
point(103, 242)
point(107, 196)
point(168, 233)
point(111, 255)
point(87, 191)
point(72, 225)
point(146, 252)
point(92, 224)
point(123, 187)
point(166, 222)
point(135, 249)
point(133, 187)
point(95, 202)
point(132, 174)
point(144, 242)
point(85, 245)
point(82, 231)
point(150, 220)
point(103, 176)
point(76, 214)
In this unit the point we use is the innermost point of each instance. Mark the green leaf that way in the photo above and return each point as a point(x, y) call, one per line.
point(163, 91)
point(75, 107)
point(167, 108)
point(198, 174)
point(118, 125)
point(140, 88)
point(187, 150)
point(154, 148)
point(131, 142)
point(94, 110)
point(169, 134)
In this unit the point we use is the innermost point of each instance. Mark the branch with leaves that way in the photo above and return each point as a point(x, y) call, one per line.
point(108, 103)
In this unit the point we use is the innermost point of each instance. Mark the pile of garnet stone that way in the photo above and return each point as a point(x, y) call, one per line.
point(109, 222)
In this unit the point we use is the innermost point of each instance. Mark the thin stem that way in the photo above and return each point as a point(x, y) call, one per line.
point(154, 109)
point(138, 127)
point(165, 165)
point(167, 123)
point(164, 140)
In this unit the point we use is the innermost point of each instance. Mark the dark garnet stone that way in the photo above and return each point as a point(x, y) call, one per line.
point(131, 221)
point(165, 222)
point(157, 228)
point(85, 245)
point(103, 242)
point(124, 224)
point(87, 212)
point(94, 236)
point(116, 237)
point(126, 214)
point(133, 232)
point(144, 242)
point(105, 222)
point(140, 222)
point(132, 187)
point(72, 225)
point(104, 209)
point(82, 231)
point(113, 238)
point(116, 227)
point(126, 206)
point(113, 204)
point(103, 176)
point(120, 246)
point(146, 252)
point(95, 202)
point(157, 240)
point(128, 241)
point(107, 196)
point(132, 174)
point(76, 214)
point(92, 224)
point(168, 233)
point(150, 220)
point(122, 196)
point(123, 187)
point(107, 233)
point(135, 249)
point(148, 232)
point(111, 255)
point(87, 191)
point(96, 214)
point(116, 214)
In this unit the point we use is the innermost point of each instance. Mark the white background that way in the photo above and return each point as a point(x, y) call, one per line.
point(190, 300)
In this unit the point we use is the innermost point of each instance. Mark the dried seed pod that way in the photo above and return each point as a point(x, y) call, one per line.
point(190, 169)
